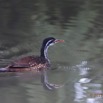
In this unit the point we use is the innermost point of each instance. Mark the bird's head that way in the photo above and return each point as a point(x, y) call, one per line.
point(47, 43)
point(51, 41)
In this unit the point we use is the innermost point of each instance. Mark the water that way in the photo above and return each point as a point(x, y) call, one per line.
point(79, 86)
point(77, 63)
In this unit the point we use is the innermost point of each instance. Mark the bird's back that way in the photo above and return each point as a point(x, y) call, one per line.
point(29, 63)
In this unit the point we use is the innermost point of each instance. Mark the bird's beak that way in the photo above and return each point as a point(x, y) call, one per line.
point(58, 41)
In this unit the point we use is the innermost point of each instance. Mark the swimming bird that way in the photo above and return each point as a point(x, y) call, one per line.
point(39, 63)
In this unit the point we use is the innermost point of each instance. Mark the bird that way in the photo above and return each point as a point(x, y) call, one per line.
point(40, 63)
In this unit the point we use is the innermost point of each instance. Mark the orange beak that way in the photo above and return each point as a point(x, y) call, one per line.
point(58, 41)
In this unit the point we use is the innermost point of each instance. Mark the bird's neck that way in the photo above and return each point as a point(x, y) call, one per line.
point(44, 52)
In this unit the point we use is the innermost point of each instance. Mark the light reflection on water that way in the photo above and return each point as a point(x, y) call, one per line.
point(85, 90)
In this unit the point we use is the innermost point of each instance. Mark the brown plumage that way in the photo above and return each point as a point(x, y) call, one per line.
point(29, 63)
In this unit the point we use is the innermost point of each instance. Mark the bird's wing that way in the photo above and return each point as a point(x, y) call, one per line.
point(24, 62)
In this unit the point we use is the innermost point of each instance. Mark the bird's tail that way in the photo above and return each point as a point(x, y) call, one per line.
point(3, 69)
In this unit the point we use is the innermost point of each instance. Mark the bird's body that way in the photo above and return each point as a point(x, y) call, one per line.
point(28, 63)
point(35, 63)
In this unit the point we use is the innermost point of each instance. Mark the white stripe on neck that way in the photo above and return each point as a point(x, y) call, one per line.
point(46, 50)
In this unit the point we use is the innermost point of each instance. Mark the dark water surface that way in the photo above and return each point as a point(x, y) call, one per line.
point(77, 63)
